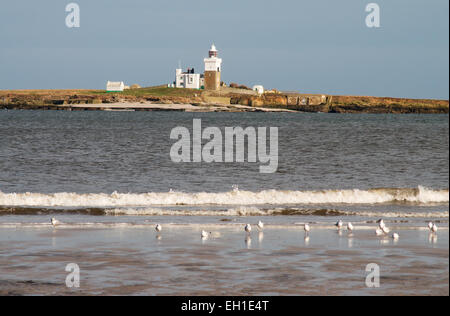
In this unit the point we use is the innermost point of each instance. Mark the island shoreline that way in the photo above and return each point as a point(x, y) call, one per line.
point(229, 100)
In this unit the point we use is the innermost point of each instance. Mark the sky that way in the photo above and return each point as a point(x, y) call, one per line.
point(317, 46)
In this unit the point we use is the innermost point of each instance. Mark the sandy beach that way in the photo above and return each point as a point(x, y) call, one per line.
point(150, 106)
point(278, 261)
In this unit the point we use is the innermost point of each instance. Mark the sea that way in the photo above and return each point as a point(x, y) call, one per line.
point(116, 166)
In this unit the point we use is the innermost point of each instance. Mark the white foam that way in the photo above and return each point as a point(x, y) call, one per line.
point(443, 214)
point(235, 197)
point(254, 211)
point(240, 211)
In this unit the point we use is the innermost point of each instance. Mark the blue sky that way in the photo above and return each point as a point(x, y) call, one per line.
point(320, 46)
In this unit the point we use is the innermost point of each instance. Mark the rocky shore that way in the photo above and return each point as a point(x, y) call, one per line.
point(167, 99)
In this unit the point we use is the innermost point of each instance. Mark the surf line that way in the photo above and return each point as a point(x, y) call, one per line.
point(232, 146)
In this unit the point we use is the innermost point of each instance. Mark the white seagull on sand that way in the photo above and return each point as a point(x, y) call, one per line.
point(205, 234)
point(339, 224)
point(307, 228)
point(430, 226)
point(54, 222)
point(395, 236)
point(434, 228)
point(248, 228)
point(158, 228)
point(350, 227)
point(381, 224)
point(260, 225)
point(379, 232)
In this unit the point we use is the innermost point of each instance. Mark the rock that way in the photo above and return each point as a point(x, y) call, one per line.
point(292, 100)
point(256, 101)
point(275, 100)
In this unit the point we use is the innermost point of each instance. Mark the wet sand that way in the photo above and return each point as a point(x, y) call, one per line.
point(279, 261)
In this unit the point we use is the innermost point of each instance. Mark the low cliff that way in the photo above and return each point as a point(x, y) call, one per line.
point(62, 99)
point(343, 104)
point(55, 99)
point(353, 104)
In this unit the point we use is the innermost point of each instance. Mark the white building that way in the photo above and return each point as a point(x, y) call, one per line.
point(115, 86)
point(259, 89)
point(209, 80)
point(188, 79)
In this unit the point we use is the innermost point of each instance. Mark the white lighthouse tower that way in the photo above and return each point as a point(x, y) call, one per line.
point(213, 67)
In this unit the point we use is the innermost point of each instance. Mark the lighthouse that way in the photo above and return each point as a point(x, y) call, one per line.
point(213, 67)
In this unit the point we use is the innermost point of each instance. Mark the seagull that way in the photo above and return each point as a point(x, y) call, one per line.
point(381, 224)
point(158, 228)
point(339, 224)
point(248, 228)
point(430, 226)
point(260, 225)
point(434, 229)
point(385, 230)
point(205, 234)
point(395, 236)
point(350, 226)
point(54, 222)
point(379, 232)
point(307, 228)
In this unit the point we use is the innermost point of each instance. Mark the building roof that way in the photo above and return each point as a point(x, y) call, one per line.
point(213, 48)
point(113, 85)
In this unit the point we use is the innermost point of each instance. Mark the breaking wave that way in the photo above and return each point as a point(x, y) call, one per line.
point(254, 211)
point(418, 195)
point(231, 212)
